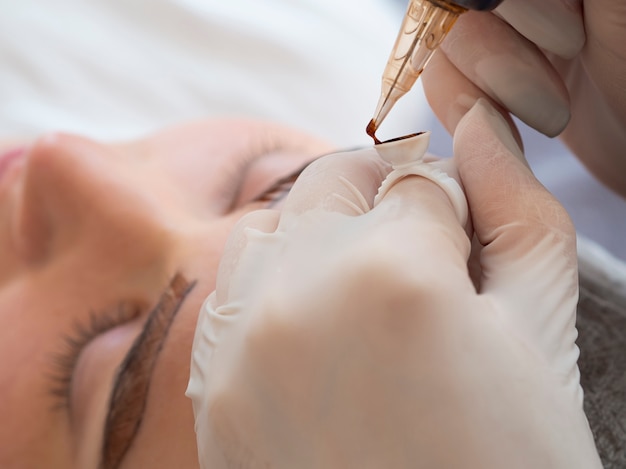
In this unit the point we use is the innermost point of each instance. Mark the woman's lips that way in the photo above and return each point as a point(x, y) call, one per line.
point(8, 158)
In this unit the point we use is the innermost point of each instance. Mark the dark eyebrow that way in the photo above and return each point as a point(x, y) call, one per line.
point(129, 393)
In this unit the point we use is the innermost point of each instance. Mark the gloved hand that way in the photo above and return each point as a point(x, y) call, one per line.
point(346, 336)
point(542, 60)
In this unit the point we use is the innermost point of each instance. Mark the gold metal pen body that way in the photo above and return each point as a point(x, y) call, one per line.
point(425, 25)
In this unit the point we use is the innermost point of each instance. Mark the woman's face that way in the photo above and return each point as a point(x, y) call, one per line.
point(94, 240)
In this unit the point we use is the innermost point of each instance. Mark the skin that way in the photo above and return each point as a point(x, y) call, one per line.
point(85, 226)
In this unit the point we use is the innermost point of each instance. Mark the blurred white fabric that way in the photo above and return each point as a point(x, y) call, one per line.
point(117, 69)
point(120, 68)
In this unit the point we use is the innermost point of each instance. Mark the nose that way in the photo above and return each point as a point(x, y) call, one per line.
point(75, 192)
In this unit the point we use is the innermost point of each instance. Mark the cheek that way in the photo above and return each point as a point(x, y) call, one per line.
point(34, 434)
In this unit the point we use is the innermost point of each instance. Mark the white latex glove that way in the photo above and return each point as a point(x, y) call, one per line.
point(345, 336)
point(542, 60)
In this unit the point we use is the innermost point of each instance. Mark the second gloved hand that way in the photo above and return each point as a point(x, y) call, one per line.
point(544, 61)
point(346, 334)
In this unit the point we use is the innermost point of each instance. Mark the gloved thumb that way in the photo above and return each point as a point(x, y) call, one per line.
point(528, 256)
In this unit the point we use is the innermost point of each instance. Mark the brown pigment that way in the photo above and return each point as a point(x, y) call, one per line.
point(371, 131)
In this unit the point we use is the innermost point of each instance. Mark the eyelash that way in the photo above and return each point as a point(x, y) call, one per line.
point(83, 332)
point(99, 323)
point(280, 188)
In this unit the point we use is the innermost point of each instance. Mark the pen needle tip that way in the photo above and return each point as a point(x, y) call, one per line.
point(371, 131)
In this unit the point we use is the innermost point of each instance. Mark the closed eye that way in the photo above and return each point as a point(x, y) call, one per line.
point(280, 188)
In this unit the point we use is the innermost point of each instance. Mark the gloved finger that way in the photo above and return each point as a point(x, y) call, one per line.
point(255, 226)
point(604, 22)
point(442, 173)
point(342, 182)
point(425, 212)
point(451, 94)
point(528, 259)
point(554, 25)
point(509, 69)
